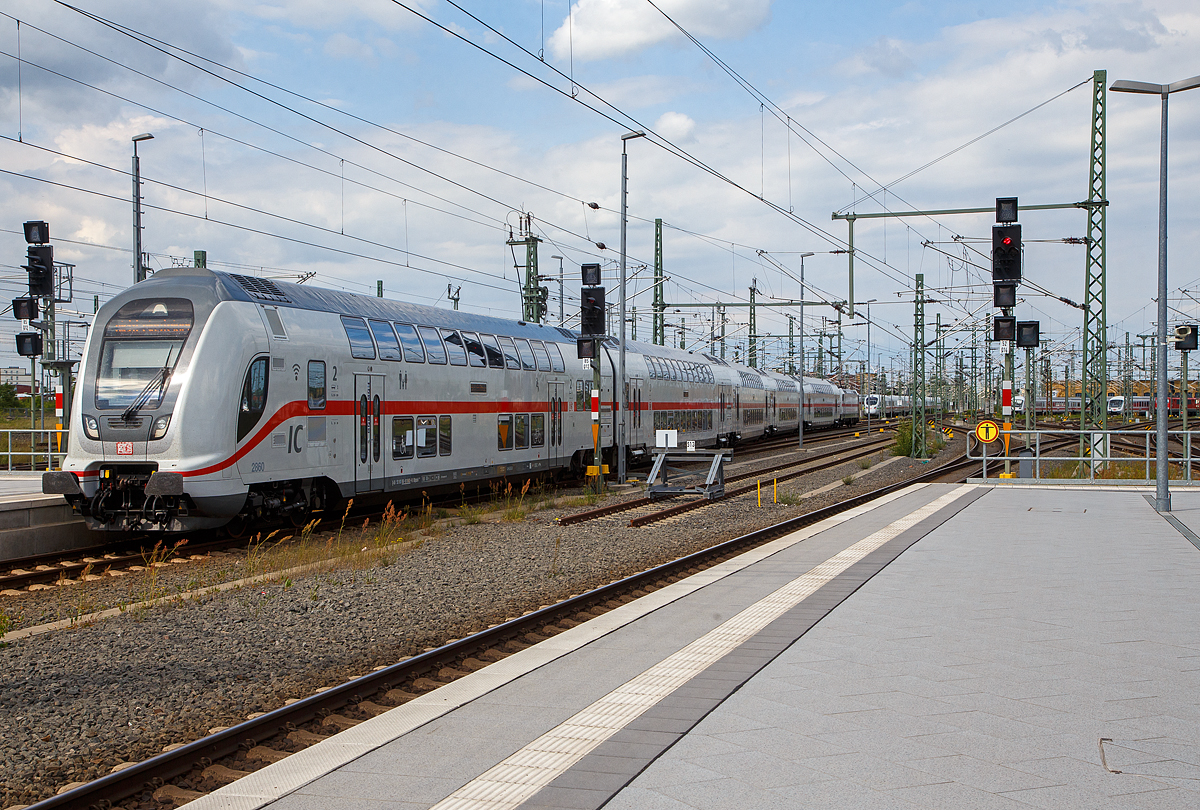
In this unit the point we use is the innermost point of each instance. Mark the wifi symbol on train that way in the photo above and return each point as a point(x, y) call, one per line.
point(296, 371)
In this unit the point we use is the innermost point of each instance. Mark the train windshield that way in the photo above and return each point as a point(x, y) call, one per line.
point(142, 342)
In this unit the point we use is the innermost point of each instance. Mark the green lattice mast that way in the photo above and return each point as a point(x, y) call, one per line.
point(1094, 382)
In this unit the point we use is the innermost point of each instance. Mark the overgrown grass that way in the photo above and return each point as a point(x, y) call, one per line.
point(848, 480)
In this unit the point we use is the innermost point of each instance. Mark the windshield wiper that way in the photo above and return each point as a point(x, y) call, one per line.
point(158, 381)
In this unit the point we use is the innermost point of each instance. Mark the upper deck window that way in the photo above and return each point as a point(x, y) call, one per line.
point(433, 345)
point(413, 351)
point(142, 342)
point(361, 345)
point(389, 349)
point(454, 347)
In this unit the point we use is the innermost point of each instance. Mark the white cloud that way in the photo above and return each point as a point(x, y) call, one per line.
point(601, 29)
point(676, 127)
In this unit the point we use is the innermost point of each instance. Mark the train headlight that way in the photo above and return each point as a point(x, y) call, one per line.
point(91, 427)
point(160, 427)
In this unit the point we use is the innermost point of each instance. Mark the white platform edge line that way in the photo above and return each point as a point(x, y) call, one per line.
point(492, 789)
point(288, 775)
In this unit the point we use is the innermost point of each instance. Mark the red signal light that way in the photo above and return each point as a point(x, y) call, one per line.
point(1007, 241)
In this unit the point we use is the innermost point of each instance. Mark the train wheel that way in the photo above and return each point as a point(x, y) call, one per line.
point(238, 528)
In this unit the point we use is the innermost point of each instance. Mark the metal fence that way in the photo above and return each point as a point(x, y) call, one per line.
point(33, 449)
point(1030, 449)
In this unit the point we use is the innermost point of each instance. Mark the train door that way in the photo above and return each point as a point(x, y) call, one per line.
point(368, 421)
point(633, 419)
point(554, 405)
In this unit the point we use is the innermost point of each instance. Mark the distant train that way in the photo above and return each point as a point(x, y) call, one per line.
point(212, 400)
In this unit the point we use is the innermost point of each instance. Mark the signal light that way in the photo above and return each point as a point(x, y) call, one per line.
point(37, 233)
point(40, 266)
point(1027, 334)
point(1185, 337)
point(591, 274)
point(1006, 209)
point(25, 309)
point(1004, 295)
point(1004, 328)
point(1006, 253)
point(585, 348)
point(591, 311)
point(29, 344)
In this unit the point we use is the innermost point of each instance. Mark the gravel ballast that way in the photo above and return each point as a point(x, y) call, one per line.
point(74, 703)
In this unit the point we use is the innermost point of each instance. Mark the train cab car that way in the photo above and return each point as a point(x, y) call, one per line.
point(207, 399)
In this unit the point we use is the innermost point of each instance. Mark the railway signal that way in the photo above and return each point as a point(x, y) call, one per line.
point(1006, 252)
point(40, 266)
point(1027, 334)
point(29, 344)
point(1004, 327)
point(1185, 337)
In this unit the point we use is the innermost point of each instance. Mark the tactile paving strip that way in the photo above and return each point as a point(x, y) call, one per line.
point(520, 776)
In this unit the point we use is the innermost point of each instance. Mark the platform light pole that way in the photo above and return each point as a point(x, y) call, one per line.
point(623, 399)
point(800, 443)
point(1162, 494)
point(139, 272)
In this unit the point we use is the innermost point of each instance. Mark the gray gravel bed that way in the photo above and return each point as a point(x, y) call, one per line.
point(74, 703)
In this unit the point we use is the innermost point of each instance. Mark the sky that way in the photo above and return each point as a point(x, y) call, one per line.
point(405, 141)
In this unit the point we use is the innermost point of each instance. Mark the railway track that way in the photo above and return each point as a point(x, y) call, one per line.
point(188, 771)
point(813, 464)
point(134, 553)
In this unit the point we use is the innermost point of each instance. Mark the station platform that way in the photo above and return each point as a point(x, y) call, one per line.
point(957, 646)
point(32, 523)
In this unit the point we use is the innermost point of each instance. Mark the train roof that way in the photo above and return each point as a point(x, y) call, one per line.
point(258, 290)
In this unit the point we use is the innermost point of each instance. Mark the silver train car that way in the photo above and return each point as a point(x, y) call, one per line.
point(211, 400)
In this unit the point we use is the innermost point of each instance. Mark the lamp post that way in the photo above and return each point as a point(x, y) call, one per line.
point(871, 385)
point(623, 400)
point(800, 443)
point(139, 272)
point(1162, 495)
point(561, 319)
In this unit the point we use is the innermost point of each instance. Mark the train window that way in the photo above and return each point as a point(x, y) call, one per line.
point(528, 362)
point(651, 368)
point(385, 338)
point(676, 371)
point(402, 437)
point(254, 397)
point(522, 429)
point(539, 351)
point(316, 385)
point(556, 358)
point(360, 338)
point(454, 347)
point(413, 352)
point(495, 357)
point(537, 429)
point(426, 436)
point(140, 341)
point(444, 435)
point(434, 349)
point(504, 432)
point(475, 353)
point(511, 360)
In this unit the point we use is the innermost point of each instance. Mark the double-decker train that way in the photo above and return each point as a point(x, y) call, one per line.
point(208, 399)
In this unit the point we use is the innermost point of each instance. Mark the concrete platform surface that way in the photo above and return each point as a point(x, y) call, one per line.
point(959, 647)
